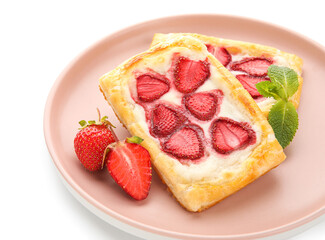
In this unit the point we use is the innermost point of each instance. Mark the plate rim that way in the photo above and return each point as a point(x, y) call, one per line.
point(125, 220)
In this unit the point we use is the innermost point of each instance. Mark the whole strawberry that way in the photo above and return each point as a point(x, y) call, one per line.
point(129, 165)
point(91, 141)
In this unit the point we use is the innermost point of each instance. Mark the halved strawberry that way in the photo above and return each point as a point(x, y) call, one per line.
point(165, 120)
point(190, 74)
point(228, 135)
point(130, 167)
point(220, 53)
point(151, 86)
point(186, 143)
point(202, 105)
point(249, 82)
point(254, 66)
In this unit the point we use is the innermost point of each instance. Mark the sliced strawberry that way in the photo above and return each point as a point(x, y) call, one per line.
point(255, 66)
point(186, 143)
point(229, 135)
point(220, 53)
point(190, 74)
point(202, 105)
point(151, 86)
point(249, 82)
point(130, 167)
point(165, 120)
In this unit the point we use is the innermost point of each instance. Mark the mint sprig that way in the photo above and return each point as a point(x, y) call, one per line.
point(283, 116)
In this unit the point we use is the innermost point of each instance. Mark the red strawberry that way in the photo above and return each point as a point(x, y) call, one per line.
point(151, 87)
point(186, 143)
point(130, 167)
point(165, 120)
point(91, 142)
point(220, 53)
point(255, 66)
point(202, 105)
point(190, 74)
point(229, 135)
point(249, 82)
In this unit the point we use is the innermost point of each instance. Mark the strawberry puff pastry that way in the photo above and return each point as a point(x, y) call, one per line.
point(206, 135)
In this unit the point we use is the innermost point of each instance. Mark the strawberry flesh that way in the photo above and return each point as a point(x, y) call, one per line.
point(186, 143)
point(202, 105)
point(165, 120)
point(254, 66)
point(151, 87)
point(229, 135)
point(190, 74)
point(220, 53)
point(249, 82)
point(130, 167)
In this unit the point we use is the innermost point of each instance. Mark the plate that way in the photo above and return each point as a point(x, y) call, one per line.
point(287, 197)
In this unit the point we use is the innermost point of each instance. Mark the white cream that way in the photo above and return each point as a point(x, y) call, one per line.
point(214, 163)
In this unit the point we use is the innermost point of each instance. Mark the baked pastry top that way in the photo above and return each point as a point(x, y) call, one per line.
point(206, 136)
point(238, 57)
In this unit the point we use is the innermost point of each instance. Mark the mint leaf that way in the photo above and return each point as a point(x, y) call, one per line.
point(285, 79)
point(283, 118)
point(268, 89)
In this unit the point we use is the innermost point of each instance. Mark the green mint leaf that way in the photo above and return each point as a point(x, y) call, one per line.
point(283, 118)
point(268, 89)
point(285, 79)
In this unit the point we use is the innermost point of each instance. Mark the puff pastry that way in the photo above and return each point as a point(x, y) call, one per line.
point(242, 50)
point(196, 181)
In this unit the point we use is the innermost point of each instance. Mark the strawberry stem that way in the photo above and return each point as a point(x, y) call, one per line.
point(113, 133)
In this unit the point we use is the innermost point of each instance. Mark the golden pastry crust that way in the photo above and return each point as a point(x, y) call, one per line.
point(194, 195)
point(251, 49)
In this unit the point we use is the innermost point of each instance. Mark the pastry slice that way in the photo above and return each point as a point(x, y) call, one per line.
point(206, 136)
point(248, 62)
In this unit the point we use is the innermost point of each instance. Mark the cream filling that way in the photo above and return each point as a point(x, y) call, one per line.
point(214, 164)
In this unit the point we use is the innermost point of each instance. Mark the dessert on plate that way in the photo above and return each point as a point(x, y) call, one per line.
point(248, 62)
point(206, 135)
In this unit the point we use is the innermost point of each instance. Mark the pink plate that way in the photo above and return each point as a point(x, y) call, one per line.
point(283, 199)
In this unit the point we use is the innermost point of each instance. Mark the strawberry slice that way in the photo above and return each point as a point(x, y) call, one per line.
point(186, 143)
point(249, 82)
point(202, 105)
point(220, 53)
point(130, 167)
point(229, 135)
point(165, 120)
point(190, 74)
point(254, 66)
point(151, 87)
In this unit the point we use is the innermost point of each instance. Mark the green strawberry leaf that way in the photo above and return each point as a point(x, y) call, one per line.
point(134, 139)
point(90, 122)
point(268, 89)
point(283, 118)
point(285, 79)
point(83, 123)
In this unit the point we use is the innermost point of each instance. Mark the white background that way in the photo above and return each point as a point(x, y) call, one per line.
point(37, 40)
